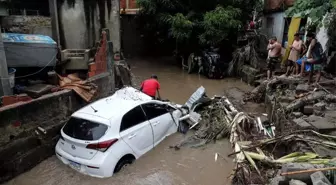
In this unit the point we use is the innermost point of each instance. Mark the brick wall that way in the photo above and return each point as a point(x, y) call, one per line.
point(99, 65)
point(131, 4)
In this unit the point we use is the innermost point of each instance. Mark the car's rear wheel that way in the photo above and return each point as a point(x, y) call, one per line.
point(123, 162)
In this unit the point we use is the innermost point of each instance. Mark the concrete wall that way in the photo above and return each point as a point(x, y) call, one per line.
point(27, 24)
point(21, 148)
point(80, 23)
point(277, 27)
point(322, 34)
point(74, 17)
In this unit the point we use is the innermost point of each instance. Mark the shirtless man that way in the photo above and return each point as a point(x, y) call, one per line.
point(295, 51)
point(274, 53)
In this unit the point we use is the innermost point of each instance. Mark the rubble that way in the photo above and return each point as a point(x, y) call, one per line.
point(301, 113)
point(292, 142)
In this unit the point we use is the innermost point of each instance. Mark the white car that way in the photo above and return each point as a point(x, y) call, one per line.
point(101, 138)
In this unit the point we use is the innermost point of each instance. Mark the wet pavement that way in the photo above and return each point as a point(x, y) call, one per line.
point(162, 165)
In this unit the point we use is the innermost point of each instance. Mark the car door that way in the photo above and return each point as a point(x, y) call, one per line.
point(136, 131)
point(160, 119)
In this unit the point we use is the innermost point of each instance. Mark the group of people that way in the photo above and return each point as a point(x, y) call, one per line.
point(302, 57)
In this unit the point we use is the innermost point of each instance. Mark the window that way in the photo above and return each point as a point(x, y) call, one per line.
point(84, 130)
point(132, 118)
point(153, 110)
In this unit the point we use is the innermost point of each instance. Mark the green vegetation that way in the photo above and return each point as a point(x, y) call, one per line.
point(201, 22)
point(315, 9)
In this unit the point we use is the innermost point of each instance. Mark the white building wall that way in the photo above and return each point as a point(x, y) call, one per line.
point(277, 27)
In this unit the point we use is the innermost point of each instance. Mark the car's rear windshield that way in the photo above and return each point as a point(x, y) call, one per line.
point(84, 130)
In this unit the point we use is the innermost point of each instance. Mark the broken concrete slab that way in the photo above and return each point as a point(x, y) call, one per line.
point(320, 106)
point(296, 182)
point(318, 178)
point(305, 177)
point(322, 124)
point(302, 123)
point(297, 114)
point(302, 88)
point(38, 90)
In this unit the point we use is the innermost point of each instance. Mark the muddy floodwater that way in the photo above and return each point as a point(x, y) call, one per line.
point(162, 165)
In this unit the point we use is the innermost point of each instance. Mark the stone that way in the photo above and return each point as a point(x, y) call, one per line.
point(318, 178)
point(287, 99)
point(322, 124)
point(248, 74)
point(302, 88)
point(38, 90)
point(304, 177)
point(319, 113)
point(320, 106)
point(308, 110)
point(302, 123)
point(297, 114)
point(296, 182)
point(278, 179)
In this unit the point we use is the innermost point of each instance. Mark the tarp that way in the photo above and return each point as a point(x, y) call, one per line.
point(293, 28)
point(27, 38)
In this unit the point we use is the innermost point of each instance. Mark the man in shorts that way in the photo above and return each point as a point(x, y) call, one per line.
point(274, 53)
point(314, 59)
point(295, 51)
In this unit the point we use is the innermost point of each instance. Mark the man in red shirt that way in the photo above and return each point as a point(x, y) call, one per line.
point(151, 86)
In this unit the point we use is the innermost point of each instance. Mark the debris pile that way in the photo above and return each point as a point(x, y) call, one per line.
point(294, 142)
point(246, 61)
point(305, 122)
point(219, 119)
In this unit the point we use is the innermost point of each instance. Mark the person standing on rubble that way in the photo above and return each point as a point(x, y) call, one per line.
point(295, 51)
point(274, 53)
point(314, 58)
point(151, 87)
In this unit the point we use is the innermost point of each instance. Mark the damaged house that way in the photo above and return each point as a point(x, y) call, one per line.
point(55, 56)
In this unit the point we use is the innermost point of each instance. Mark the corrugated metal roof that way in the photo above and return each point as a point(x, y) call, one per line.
point(272, 5)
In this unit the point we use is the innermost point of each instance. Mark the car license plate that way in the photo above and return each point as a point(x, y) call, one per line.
point(75, 165)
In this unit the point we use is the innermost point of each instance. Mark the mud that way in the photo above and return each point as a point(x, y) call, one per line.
point(162, 165)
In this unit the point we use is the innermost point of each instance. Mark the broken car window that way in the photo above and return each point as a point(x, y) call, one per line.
point(153, 110)
point(132, 118)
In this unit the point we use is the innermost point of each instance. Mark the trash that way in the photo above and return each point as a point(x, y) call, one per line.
point(84, 89)
point(296, 182)
point(42, 130)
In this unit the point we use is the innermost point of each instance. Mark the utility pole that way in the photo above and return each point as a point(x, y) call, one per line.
point(54, 21)
point(4, 85)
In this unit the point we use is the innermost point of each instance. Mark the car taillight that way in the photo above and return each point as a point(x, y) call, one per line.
point(102, 146)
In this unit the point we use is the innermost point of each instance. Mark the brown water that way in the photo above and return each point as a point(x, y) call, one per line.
point(162, 165)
